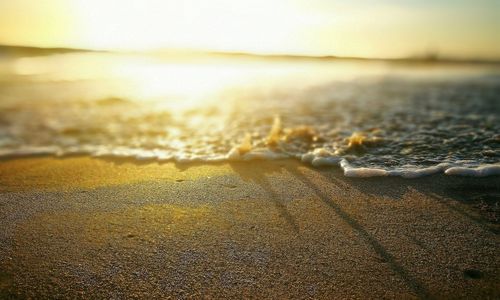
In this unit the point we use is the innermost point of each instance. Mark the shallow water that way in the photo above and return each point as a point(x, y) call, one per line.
point(370, 118)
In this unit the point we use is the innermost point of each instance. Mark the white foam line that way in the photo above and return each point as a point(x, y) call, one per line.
point(482, 171)
point(349, 171)
point(415, 173)
point(318, 158)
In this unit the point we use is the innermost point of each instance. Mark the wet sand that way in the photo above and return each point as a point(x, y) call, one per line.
point(80, 227)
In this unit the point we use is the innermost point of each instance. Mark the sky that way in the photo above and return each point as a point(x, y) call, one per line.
point(362, 28)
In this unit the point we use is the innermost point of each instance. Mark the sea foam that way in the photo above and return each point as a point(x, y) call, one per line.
point(482, 171)
point(319, 158)
point(379, 126)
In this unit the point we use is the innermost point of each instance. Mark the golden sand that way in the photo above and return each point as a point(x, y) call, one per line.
point(94, 228)
point(85, 172)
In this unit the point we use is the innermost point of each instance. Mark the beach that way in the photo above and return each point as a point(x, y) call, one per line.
point(82, 227)
point(249, 149)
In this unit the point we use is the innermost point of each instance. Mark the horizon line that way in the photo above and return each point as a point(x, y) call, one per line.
point(431, 57)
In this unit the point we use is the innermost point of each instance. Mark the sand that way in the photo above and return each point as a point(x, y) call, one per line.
point(91, 228)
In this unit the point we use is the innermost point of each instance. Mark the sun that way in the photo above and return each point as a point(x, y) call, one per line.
point(223, 25)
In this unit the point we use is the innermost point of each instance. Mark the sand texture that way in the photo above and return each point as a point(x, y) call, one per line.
point(89, 228)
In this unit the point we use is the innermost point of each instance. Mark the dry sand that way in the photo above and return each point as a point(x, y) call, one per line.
point(96, 228)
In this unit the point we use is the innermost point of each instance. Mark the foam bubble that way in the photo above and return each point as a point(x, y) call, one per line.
point(321, 157)
point(482, 171)
point(350, 171)
point(416, 173)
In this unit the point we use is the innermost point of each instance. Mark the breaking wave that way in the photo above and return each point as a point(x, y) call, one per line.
point(375, 126)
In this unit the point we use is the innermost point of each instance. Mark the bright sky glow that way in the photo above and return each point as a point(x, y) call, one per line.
point(365, 28)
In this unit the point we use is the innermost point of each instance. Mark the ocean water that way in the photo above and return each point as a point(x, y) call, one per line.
point(368, 118)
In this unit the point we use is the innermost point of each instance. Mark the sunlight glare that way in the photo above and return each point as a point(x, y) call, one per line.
point(218, 25)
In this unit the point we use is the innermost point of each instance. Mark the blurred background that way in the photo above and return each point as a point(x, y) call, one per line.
point(393, 85)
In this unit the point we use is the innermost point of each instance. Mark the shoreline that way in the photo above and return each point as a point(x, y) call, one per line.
point(80, 227)
point(316, 159)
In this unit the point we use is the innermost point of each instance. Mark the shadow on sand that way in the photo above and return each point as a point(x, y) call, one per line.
point(260, 178)
point(480, 195)
point(411, 282)
point(447, 190)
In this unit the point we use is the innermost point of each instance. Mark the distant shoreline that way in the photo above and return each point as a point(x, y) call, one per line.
point(17, 50)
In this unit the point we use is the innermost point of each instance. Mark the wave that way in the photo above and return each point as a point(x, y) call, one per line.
point(319, 158)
